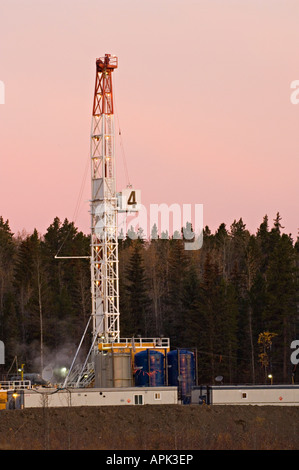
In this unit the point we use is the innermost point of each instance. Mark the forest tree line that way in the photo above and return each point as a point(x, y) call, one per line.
point(234, 301)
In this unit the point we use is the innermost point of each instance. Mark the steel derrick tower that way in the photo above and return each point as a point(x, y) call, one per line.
point(104, 243)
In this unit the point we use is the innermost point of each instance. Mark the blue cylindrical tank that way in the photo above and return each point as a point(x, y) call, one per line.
point(181, 372)
point(149, 368)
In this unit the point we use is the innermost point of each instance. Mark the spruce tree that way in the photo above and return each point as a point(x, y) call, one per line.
point(137, 320)
point(8, 324)
point(174, 307)
point(32, 300)
point(280, 312)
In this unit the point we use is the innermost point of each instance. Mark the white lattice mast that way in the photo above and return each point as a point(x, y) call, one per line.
point(104, 246)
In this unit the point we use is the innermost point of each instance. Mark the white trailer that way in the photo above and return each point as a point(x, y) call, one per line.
point(39, 397)
point(246, 395)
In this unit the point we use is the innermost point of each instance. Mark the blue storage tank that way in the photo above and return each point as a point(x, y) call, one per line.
point(181, 372)
point(149, 368)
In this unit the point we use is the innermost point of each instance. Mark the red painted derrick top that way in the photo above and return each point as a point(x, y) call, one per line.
point(106, 63)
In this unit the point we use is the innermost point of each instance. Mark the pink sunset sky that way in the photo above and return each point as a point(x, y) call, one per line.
point(202, 95)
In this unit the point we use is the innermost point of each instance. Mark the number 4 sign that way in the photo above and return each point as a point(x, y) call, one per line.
point(129, 200)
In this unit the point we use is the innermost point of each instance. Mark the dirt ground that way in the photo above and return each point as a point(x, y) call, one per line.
point(161, 427)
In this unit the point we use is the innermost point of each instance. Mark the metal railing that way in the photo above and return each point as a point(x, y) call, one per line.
point(15, 384)
point(163, 343)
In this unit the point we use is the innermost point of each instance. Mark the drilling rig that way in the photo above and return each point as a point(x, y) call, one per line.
point(110, 359)
point(104, 242)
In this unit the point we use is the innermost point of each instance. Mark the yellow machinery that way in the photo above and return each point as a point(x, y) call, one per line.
point(3, 399)
point(134, 345)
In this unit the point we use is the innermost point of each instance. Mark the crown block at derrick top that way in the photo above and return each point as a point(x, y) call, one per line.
point(108, 62)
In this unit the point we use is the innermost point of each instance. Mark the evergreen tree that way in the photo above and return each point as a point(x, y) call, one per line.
point(190, 320)
point(31, 288)
point(136, 322)
point(8, 325)
point(222, 241)
point(157, 266)
point(208, 310)
point(173, 322)
point(226, 333)
point(280, 312)
point(263, 238)
point(68, 281)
